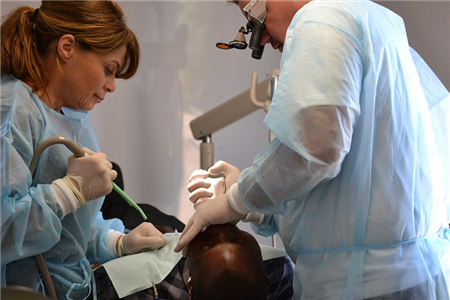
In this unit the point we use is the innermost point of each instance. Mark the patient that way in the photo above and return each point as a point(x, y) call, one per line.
point(223, 262)
point(218, 247)
point(226, 263)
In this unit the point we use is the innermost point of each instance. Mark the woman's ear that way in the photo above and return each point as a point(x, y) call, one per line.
point(191, 293)
point(66, 46)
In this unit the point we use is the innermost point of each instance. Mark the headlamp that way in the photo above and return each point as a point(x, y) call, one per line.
point(255, 11)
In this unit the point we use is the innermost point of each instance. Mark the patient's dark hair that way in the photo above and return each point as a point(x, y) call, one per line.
point(231, 285)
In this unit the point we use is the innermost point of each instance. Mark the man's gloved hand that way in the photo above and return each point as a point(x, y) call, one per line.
point(91, 175)
point(230, 171)
point(202, 186)
point(210, 212)
point(145, 237)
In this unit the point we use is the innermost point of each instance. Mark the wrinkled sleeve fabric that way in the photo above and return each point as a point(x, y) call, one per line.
point(377, 207)
point(312, 116)
point(24, 208)
point(104, 233)
point(32, 221)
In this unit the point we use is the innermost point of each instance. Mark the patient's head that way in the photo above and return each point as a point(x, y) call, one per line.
point(226, 263)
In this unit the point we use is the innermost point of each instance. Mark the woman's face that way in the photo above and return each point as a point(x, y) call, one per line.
point(87, 77)
point(92, 77)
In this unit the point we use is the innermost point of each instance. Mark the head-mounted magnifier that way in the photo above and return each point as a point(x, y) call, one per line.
point(255, 12)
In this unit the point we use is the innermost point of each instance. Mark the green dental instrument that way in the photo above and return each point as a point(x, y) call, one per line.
point(78, 152)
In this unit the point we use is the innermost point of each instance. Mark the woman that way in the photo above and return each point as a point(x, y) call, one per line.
point(57, 63)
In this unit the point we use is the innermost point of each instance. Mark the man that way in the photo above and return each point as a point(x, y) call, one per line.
point(353, 182)
point(223, 263)
point(221, 247)
point(226, 263)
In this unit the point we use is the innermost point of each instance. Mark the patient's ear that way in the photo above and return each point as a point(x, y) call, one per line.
point(191, 293)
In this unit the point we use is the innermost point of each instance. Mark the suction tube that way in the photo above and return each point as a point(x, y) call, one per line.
point(78, 152)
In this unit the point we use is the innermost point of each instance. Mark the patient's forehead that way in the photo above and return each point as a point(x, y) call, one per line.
point(208, 262)
point(224, 233)
point(224, 248)
point(241, 242)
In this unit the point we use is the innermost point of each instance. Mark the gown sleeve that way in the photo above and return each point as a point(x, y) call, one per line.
point(312, 115)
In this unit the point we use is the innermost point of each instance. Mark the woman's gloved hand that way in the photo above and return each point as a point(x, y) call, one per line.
point(91, 175)
point(210, 212)
point(202, 186)
point(145, 237)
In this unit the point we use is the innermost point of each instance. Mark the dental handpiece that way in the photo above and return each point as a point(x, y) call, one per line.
point(78, 152)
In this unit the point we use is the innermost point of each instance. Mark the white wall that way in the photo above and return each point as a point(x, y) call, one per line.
point(144, 125)
point(184, 75)
point(428, 27)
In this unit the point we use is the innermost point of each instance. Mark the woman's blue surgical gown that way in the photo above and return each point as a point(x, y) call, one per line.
point(31, 220)
point(362, 207)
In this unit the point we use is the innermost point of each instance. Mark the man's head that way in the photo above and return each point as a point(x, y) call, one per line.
point(278, 17)
point(225, 263)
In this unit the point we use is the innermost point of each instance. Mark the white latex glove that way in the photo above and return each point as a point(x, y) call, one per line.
point(145, 237)
point(210, 212)
point(202, 186)
point(92, 175)
point(230, 171)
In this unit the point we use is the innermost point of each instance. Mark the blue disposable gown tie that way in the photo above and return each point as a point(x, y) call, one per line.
point(31, 220)
point(353, 182)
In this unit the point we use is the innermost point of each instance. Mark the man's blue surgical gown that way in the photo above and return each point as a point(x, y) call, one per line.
point(363, 209)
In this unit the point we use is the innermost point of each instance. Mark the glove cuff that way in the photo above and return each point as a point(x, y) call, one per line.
point(75, 191)
point(120, 246)
point(113, 239)
point(64, 196)
point(235, 202)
